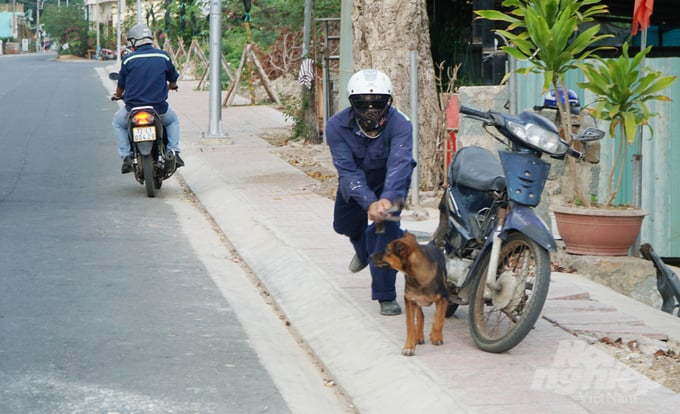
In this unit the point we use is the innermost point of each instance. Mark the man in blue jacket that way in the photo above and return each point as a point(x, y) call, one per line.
point(145, 76)
point(371, 143)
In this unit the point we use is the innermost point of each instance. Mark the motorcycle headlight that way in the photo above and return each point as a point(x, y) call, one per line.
point(539, 138)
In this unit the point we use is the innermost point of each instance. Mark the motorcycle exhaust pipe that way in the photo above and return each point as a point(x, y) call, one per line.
point(170, 164)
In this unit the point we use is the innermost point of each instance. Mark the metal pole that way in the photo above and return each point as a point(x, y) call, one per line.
point(413, 103)
point(139, 11)
point(346, 57)
point(637, 157)
point(637, 163)
point(512, 83)
point(307, 27)
point(96, 17)
point(118, 34)
point(15, 31)
point(215, 94)
point(37, 27)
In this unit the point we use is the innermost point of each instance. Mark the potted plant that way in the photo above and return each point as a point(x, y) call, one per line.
point(546, 34)
point(622, 89)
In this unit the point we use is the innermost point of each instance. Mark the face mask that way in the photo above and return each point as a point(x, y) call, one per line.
point(369, 112)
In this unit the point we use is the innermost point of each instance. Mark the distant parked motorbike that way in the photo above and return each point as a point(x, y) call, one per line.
point(497, 247)
point(152, 163)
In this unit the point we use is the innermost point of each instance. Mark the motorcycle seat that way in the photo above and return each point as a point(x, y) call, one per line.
point(478, 169)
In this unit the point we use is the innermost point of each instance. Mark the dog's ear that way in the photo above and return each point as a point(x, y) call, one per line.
point(401, 249)
point(409, 236)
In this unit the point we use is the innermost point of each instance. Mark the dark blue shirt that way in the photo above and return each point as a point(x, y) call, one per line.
point(371, 168)
point(144, 75)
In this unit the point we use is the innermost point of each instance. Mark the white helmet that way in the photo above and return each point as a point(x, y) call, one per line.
point(369, 81)
point(370, 93)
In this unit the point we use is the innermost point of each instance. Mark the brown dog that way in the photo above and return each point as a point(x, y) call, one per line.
point(424, 268)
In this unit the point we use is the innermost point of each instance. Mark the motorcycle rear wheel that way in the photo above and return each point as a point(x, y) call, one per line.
point(525, 267)
point(147, 168)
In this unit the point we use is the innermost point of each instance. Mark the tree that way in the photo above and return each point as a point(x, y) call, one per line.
point(69, 26)
point(183, 19)
point(384, 34)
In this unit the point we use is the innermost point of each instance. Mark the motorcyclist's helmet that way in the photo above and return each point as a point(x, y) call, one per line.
point(370, 94)
point(550, 101)
point(139, 34)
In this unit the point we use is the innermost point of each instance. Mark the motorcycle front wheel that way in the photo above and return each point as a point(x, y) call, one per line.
point(147, 168)
point(501, 316)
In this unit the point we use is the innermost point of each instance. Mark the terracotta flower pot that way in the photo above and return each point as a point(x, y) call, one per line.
point(596, 231)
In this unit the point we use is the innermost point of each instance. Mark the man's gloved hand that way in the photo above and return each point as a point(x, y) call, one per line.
point(173, 86)
point(115, 97)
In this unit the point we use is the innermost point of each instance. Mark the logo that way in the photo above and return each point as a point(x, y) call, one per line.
point(588, 374)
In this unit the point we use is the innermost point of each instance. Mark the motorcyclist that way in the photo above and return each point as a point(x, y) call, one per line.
point(371, 143)
point(145, 76)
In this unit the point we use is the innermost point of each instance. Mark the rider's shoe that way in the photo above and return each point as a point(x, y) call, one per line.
point(356, 265)
point(179, 162)
point(127, 165)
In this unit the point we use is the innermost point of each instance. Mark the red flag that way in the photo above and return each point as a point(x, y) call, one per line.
point(641, 14)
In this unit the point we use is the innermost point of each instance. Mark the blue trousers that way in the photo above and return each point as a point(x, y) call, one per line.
point(351, 220)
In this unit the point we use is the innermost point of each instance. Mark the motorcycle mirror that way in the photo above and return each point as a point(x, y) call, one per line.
point(590, 134)
point(113, 75)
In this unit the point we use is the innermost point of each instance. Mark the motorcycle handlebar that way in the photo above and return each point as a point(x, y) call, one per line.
point(466, 110)
point(576, 154)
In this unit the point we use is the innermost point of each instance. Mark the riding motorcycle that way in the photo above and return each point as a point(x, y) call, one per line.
point(497, 247)
point(152, 162)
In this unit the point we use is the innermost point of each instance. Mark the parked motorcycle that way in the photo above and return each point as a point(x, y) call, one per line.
point(152, 163)
point(497, 247)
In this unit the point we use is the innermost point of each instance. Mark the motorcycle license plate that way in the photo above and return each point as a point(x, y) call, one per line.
point(141, 134)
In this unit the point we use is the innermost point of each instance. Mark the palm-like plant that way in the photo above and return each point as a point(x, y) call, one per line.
point(622, 89)
point(546, 34)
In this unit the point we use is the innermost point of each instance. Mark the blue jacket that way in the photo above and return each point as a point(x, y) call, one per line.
point(144, 75)
point(371, 168)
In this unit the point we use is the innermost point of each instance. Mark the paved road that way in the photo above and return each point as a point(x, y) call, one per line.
point(111, 301)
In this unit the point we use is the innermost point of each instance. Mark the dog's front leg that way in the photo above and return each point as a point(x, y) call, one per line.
point(420, 324)
point(437, 334)
point(410, 345)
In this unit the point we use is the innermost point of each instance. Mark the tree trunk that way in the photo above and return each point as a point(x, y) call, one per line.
point(384, 33)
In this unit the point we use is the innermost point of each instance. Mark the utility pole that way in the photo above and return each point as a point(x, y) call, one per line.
point(118, 48)
point(215, 74)
point(346, 57)
point(38, 6)
point(15, 32)
point(307, 28)
point(96, 17)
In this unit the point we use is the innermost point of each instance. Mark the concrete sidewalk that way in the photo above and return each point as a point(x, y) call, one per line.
point(282, 230)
